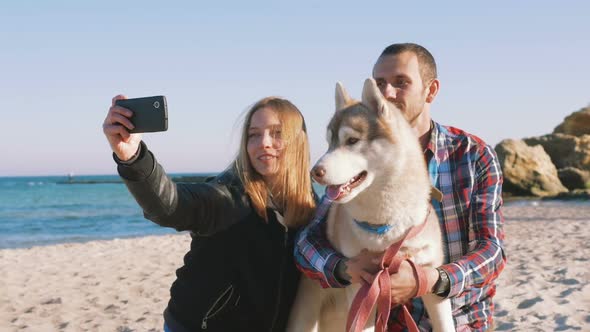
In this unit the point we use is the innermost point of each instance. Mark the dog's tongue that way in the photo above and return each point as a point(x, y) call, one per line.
point(334, 192)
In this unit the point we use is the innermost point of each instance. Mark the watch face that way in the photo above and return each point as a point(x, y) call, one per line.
point(443, 283)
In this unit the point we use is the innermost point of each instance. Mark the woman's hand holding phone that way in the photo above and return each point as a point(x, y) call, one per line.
point(116, 128)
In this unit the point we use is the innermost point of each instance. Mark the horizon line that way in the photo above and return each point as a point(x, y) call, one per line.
point(94, 174)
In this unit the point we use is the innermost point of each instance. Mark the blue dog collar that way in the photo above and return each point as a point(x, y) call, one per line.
point(376, 229)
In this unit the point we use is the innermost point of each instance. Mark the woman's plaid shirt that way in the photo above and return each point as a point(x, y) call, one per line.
point(467, 172)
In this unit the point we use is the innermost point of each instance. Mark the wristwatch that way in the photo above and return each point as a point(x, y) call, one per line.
point(443, 284)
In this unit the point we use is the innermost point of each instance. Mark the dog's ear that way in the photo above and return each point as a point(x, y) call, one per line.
point(342, 97)
point(373, 98)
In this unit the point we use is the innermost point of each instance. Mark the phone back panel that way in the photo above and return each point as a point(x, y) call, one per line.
point(150, 114)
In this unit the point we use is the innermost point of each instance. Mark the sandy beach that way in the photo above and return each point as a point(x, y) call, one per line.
point(122, 285)
point(545, 286)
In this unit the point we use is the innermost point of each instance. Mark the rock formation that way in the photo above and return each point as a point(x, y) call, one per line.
point(552, 164)
point(575, 124)
point(565, 150)
point(528, 170)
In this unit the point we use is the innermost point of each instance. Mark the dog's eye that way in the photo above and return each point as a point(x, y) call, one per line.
point(351, 141)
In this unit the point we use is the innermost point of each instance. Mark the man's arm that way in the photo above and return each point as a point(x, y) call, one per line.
point(314, 254)
point(486, 258)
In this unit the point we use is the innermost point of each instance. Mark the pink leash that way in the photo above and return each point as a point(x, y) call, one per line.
point(379, 292)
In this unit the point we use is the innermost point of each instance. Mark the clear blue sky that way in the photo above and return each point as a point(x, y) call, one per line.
point(508, 69)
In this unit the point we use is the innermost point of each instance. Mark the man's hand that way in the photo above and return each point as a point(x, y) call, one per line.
point(116, 128)
point(404, 285)
point(363, 263)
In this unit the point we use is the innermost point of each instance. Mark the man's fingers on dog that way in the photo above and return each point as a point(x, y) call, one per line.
point(397, 300)
point(366, 276)
point(373, 268)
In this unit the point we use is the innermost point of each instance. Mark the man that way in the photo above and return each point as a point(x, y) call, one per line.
point(466, 171)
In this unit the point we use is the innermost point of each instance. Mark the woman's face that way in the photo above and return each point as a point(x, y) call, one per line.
point(264, 143)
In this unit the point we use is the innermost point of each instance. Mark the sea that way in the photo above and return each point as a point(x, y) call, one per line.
point(57, 209)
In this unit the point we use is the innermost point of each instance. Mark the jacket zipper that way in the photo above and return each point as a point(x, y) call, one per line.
point(208, 314)
point(276, 315)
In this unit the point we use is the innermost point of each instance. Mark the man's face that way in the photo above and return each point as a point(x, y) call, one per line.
point(398, 78)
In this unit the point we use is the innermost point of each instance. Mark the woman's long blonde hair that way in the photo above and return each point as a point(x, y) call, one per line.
point(292, 191)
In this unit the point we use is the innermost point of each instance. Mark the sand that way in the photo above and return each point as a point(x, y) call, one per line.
point(123, 284)
point(118, 285)
point(545, 286)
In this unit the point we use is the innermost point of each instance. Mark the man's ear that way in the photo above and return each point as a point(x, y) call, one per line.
point(373, 98)
point(432, 90)
point(342, 97)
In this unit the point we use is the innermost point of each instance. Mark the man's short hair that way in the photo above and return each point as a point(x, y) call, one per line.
point(425, 58)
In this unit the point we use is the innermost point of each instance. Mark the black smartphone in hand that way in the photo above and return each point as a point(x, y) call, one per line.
point(150, 114)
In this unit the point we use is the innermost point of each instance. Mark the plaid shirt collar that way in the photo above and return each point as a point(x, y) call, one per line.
point(441, 144)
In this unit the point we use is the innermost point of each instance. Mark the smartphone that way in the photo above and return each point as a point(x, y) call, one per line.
point(150, 114)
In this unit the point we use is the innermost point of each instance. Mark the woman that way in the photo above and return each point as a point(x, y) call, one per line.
point(239, 273)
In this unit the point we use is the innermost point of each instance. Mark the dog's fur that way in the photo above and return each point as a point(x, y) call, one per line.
point(374, 140)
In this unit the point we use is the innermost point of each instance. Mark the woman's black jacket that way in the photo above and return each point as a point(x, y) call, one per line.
point(239, 274)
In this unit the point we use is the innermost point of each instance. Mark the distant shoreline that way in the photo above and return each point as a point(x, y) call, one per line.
point(113, 175)
point(191, 179)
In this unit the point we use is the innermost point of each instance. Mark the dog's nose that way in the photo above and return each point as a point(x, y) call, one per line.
point(318, 173)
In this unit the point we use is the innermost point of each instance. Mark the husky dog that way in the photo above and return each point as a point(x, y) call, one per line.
point(374, 171)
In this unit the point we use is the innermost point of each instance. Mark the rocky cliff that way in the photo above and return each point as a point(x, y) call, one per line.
point(554, 165)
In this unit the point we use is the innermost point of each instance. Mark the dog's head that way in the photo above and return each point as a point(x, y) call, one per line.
point(365, 143)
